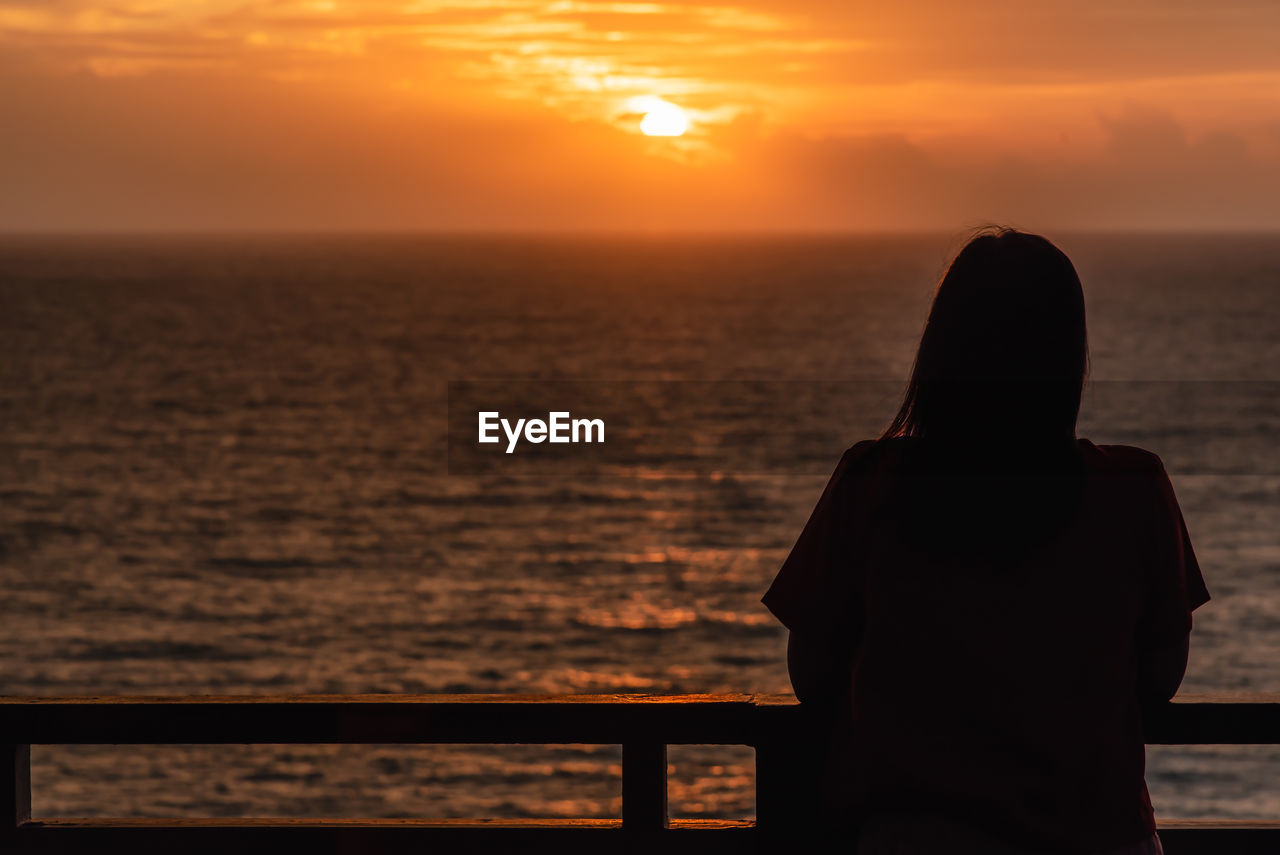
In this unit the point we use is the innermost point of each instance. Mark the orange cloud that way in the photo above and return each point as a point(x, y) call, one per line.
point(339, 113)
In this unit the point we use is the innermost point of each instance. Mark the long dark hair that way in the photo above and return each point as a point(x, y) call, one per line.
point(1005, 348)
point(992, 470)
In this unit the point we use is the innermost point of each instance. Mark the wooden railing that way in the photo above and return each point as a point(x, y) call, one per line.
point(643, 725)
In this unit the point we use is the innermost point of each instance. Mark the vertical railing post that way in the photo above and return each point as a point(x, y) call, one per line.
point(777, 784)
point(15, 788)
point(789, 770)
point(644, 786)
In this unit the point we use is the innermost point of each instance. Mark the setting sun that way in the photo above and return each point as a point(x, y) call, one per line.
point(661, 118)
point(754, 114)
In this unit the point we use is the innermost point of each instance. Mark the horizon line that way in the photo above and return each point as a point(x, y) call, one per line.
point(629, 231)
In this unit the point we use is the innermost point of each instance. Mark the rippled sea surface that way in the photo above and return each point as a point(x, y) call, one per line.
point(223, 470)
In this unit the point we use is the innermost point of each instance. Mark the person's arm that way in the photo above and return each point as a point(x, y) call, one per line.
point(818, 589)
point(820, 667)
point(1175, 588)
point(1160, 670)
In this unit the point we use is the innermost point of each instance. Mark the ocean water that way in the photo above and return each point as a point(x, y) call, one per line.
point(225, 467)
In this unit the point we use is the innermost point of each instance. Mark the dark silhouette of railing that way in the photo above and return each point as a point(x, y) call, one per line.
point(776, 726)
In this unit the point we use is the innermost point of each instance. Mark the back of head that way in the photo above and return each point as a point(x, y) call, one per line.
point(993, 400)
point(1004, 351)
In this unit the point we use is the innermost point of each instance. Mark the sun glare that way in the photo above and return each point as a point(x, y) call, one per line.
point(661, 118)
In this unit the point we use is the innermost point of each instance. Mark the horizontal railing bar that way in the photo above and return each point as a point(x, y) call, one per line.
point(444, 699)
point(1219, 837)
point(1214, 719)
point(727, 719)
point(339, 822)
point(479, 824)
point(697, 837)
point(434, 699)
point(317, 837)
point(1201, 824)
point(552, 719)
point(1218, 824)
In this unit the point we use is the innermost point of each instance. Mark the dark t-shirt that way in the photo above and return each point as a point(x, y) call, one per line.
point(999, 692)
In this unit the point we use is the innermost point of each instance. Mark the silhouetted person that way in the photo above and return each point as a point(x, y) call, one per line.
point(986, 601)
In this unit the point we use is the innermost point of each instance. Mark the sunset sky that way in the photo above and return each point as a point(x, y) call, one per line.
point(515, 114)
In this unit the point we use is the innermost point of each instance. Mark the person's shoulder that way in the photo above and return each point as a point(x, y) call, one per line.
point(855, 457)
point(873, 450)
point(1120, 459)
point(860, 450)
point(869, 456)
point(864, 469)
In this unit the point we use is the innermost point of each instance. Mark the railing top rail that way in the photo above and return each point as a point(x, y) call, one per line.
point(438, 699)
point(713, 719)
point(427, 700)
point(600, 719)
